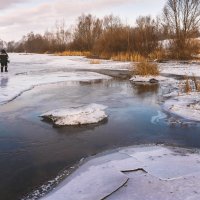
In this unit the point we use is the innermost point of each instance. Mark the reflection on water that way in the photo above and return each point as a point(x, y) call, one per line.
point(90, 82)
point(3, 82)
point(145, 89)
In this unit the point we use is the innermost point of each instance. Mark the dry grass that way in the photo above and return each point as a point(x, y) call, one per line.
point(73, 53)
point(132, 57)
point(147, 69)
point(197, 84)
point(95, 62)
point(187, 87)
point(159, 54)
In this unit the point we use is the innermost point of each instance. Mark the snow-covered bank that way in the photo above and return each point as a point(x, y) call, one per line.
point(13, 86)
point(89, 114)
point(150, 172)
point(186, 106)
point(178, 68)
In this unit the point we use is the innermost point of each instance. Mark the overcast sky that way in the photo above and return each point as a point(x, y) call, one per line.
point(18, 17)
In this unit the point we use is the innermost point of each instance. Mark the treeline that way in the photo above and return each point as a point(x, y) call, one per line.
point(108, 37)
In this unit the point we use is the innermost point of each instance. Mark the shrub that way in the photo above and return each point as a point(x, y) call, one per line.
point(159, 54)
point(94, 62)
point(197, 84)
point(133, 57)
point(147, 69)
point(73, 53)
point(187, 87)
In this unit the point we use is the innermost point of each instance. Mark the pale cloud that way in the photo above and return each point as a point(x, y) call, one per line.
point(43, 14)
point(7, 3)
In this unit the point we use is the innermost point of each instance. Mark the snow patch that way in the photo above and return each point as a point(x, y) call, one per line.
point(186, 106)
point(178, 68)
point(89, 114)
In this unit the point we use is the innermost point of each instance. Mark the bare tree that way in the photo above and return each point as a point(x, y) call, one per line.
point(183, 19)
point(146, 34)
point(87, 31)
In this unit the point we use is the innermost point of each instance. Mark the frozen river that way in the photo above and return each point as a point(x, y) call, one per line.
point(33, 152)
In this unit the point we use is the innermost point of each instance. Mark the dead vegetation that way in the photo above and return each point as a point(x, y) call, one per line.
point(196, 83)
point(125, 57)
point(189, 85)
point(95, 62)
point(187, 88)
point(146, 68)
point(73, 53)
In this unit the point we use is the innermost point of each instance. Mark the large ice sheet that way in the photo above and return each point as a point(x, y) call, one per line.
point(13, 86)
point(151, 172)
point(95, 183)
point(143, 186)
point(90, 114)
point(30, 63)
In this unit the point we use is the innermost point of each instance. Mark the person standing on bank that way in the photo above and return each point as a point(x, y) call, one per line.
point(4, 60)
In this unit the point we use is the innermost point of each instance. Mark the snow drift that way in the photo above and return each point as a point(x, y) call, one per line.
point(90, 114)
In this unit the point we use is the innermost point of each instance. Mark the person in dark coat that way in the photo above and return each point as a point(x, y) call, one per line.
point(4, 60)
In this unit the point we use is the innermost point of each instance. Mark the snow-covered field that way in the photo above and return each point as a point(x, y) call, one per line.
point(150, 172)
point(89, 114)
point(27, 71)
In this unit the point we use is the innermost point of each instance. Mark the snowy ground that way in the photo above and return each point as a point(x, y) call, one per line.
point(89, 114)
point(179, 103)
point(145, 173)
point(178, 68)
point(186, 106)
point(27, 71)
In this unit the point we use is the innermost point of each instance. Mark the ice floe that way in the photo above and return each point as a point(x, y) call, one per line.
point(186, 106)
point(140, 172)
point(148, 79)
point(89, 114)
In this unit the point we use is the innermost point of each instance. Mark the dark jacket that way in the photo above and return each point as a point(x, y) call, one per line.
point(4, 58)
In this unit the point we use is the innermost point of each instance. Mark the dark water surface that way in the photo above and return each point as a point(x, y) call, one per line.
point(32, 152)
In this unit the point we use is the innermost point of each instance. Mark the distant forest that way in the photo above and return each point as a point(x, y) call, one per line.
point(172, 35)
